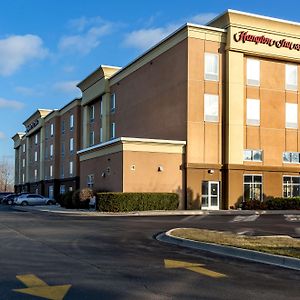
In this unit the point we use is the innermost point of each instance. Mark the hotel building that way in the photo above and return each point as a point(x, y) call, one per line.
point(210, 112)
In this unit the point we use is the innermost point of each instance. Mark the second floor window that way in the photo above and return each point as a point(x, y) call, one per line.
point(291, 77)
point(253, 72)
point(252, 155)
point(211, 108)
point(291, 157)
point(211, 66)
point(253, 112)
point(291, 115)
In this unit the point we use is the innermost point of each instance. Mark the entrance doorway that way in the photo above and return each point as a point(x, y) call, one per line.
point(210, 195)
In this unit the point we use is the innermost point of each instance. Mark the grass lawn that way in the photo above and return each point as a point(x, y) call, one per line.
point(281, 245)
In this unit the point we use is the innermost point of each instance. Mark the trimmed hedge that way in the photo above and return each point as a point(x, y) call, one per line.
point(122, 202)
point(272, 204)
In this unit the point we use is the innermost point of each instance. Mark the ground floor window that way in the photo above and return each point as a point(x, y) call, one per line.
point(62, 189)
point(252, 187)
point(291, 186)
point(51, 192)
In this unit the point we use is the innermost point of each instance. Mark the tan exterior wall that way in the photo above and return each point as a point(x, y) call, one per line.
point(110, 165)
point(152, 101)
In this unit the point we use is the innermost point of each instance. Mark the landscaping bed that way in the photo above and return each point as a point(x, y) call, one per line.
point(280, 245)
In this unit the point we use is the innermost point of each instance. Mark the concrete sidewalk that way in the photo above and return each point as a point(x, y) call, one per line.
point(84, 212)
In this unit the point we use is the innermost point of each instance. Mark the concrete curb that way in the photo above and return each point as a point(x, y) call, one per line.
point(93, 213)
point(251, 255)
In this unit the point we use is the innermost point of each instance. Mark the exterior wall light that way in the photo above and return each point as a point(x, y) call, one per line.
point(211, 171)
point(160, 169)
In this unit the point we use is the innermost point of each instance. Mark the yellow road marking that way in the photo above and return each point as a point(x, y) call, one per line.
point(37, 287)
point(194, 267)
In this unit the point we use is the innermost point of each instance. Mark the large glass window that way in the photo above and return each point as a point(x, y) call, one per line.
point(211, 108)
point(252, 155)
point(291, 115)
point(253, 112)
point(252, 187)
point(51, 129)
point(291, 186)
point(35, 156)
point(71, 121)
point(253, 72)
point(92, 113)
point(71, 144)
point(211, 66)
point(113, 102)
point(291, 77)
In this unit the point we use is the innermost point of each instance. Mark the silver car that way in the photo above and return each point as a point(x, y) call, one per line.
point(33, 199)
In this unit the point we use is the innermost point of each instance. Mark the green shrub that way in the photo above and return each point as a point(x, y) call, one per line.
point(272, 203)
point(122, 202)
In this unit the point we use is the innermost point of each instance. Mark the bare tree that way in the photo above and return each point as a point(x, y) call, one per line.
point(6, 176)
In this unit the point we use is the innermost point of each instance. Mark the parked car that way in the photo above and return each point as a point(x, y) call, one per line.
point(9, 199)
point(33, 199)
point(4, 194)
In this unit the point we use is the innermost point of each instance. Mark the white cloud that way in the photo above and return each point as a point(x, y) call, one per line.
point(87, 37)
point(27, 91)
point(203, 18)
point(68, 87)
point(16, 50)
point(5, 103)
point(2, 135)
point(146, 38)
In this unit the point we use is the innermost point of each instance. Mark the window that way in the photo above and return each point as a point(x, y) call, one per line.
point(23, 162)
point(253, 112)
point(35, 174)
point(51, 129)
point(101, 135)
point(23, 177)
point(252, 155)
point(62, 149)
point(51, 150)
point(62, 189)
point(71, 168)
point(291, 186)
point(92, 113)
point(291, 157)
point(62, 127)
point(291, 77)
point(101, 107)
point(24, 147)
point(36, 139)
point(113, 130)
point(252, 187)
point(253, 72)
point(92, 138)
point(291, 115)
point(90, 180)
point(211, 66)
point(51, 194)
point(71, 144)
point(113, 102)
point(51, 171)
point(35, 156)
point(71, 122)
point(211, 108)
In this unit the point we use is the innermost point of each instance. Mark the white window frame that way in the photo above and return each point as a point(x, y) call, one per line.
point(261, 183)
point(291, 86)
point(252, 155)
point(252, 80)
point(71, 171)
point(71, 144)
point(51, 129)
point(71, 121)
point(249, 112)
point(113, 102)
point(35, 156)
point(208, 117)
point(113, 130)
point(291, 184)
point(291, 108)
point(290, 153)
point(208, 74)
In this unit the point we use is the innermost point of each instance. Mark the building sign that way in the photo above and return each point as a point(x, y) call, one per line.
point(244, 36)
point(32, 125)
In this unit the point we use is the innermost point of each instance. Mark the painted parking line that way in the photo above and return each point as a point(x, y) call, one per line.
point(192, 218)
point(194, 267)
point(250, 218)
point(39, 288)
point(292, 218)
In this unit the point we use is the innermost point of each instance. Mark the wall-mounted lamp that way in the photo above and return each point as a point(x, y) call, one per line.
point(103, 174)
point(160, 168)
point(211, 171)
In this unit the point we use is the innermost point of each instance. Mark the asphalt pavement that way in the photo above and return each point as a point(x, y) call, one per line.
point(75, 257)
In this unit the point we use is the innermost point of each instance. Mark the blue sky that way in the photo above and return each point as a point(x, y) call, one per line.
point(46, 47)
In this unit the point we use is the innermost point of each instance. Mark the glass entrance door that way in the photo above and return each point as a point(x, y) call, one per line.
point(210, 195)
